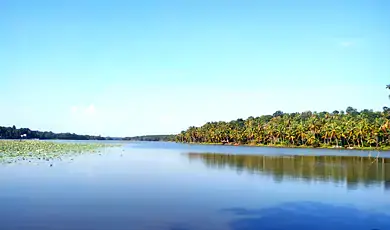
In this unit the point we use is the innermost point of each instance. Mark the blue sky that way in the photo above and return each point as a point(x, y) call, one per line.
point(123, 68)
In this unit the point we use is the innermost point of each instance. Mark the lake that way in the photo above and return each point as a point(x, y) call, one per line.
point(157, 185)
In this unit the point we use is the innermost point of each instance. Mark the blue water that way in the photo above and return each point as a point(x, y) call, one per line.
point(152, 185)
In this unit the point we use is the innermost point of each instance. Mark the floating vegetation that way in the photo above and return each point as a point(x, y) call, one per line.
point(31, 150)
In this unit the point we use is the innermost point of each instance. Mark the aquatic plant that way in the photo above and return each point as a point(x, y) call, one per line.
point(14, 150)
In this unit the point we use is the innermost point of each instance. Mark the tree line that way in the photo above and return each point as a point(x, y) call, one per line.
point(151, 138)
point(25, 133)
point(14, 133)
point(349, 128)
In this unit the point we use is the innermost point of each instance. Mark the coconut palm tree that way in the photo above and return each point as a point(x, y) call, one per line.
point(353, 129)
point(388, 87)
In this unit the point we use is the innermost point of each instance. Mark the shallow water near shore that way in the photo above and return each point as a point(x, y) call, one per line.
point(157, 185)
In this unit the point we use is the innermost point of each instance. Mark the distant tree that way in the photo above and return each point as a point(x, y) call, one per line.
point(265, 118)
point(351, 111)
point(14, 133)
point(388, 87)
point(152, 138)
point(305, 115)
point(322, 114)
point(366, 111)
point(278, 114)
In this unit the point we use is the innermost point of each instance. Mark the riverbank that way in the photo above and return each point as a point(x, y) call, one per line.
point(386, 148)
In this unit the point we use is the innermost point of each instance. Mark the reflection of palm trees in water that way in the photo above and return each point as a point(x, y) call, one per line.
point(337, 169)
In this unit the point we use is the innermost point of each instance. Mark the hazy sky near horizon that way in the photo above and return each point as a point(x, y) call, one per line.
point(124, 68)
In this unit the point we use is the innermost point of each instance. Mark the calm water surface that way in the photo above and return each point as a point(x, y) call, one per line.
point(192, 187)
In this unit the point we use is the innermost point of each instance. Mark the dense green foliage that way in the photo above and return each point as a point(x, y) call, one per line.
point(350, 169)
point(14, 133)
point(354, 129)
point(151, 138)
point(337, 129)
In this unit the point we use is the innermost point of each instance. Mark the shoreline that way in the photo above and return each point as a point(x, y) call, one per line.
point(291, 147)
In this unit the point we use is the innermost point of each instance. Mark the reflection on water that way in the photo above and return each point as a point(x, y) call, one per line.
point(307, 215)
point(153, 186)
point(352, 170)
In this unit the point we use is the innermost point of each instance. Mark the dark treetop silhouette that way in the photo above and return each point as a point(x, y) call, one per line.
point(14, 133)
